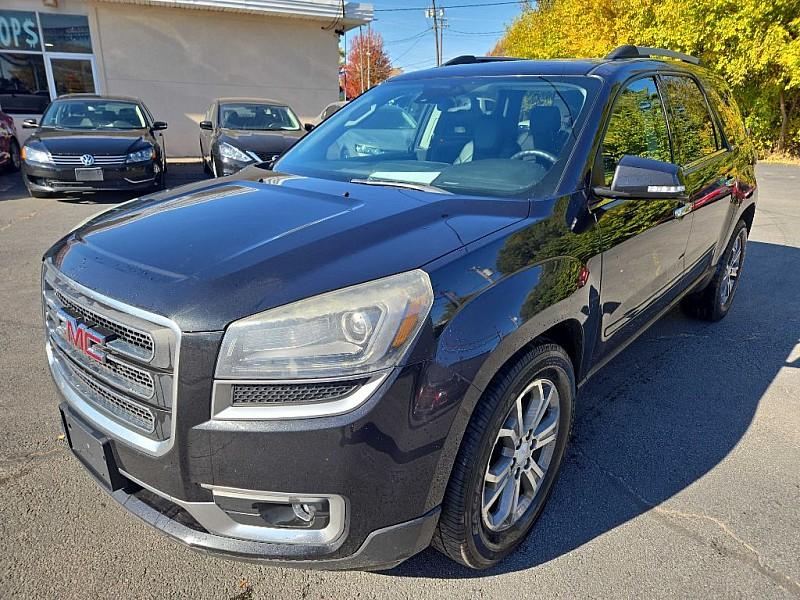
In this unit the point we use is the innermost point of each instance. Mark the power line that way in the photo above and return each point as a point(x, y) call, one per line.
point(408, 39)
point(407, 50)
point(480, 5)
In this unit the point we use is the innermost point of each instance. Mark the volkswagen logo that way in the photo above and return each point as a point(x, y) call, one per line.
point(87, 160)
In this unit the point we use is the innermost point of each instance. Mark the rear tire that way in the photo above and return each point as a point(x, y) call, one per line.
point(486, 514)
point(714, 301)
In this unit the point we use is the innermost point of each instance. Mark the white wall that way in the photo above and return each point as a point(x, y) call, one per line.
point(178, 60)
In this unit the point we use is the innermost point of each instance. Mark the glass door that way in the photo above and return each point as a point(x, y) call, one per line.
point(71, 74)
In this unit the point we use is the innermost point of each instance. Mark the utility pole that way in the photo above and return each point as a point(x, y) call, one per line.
point(361, 58)
point(436, 15)
point(442, 25)
point(369, 54)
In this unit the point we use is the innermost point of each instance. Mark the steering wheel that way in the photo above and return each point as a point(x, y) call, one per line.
point(523, 154)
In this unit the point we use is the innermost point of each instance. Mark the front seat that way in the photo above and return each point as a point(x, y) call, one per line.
point(545, 130)
point(487, 141)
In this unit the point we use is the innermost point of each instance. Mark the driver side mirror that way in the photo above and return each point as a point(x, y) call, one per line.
point(159, 126)
point(207, 125)
point(644, 178)
point(308, 126)
point(30, 124)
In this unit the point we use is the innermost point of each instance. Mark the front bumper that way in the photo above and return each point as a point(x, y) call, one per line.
point(382, 549)
point(386, 484)
point(137, 176)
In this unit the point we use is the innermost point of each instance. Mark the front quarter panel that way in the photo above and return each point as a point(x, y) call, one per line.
point(503, 292)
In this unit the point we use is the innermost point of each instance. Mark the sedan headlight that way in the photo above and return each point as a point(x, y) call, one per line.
point(352, 331)
point(34, 155)
point(233, 153)
point(141, 155)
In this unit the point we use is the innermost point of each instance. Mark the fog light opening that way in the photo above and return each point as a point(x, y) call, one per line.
point(291, 513)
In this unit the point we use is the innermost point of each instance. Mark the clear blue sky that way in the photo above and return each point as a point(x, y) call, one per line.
point(408, 37)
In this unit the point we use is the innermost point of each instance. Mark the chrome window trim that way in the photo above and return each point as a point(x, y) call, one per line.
point(216, 521)
point(95, 417)
point(223, 410)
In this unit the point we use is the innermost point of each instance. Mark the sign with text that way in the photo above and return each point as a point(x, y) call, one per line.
point(19, 31)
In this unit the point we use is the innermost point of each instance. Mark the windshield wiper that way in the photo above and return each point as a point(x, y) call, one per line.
point(411, 185)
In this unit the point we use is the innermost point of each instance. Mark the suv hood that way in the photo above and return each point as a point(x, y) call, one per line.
point(64, 141)
point(207, 254)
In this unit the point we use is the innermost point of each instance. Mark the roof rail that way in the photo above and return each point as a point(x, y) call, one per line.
point(631, 51)
point(469, 59)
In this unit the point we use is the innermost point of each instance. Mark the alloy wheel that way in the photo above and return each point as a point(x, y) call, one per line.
point(521, 455)
point(730, 276)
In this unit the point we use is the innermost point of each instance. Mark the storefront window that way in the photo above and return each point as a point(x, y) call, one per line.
point(35, 62)
point(66, 33)
point(23, 83)
point(19, 31)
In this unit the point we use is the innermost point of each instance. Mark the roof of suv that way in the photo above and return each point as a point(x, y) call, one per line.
point(620, 61)
point(507, 67)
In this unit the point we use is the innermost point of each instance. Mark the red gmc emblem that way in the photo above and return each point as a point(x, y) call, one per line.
point(82, 337)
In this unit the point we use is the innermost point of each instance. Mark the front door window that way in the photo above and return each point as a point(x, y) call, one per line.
point(638, 127)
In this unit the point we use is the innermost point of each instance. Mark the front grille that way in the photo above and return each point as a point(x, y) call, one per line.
point(69, 160)
point(132, 381)
point(130, 373)
point(140, 339)
point(292, 393)
point(126, 410)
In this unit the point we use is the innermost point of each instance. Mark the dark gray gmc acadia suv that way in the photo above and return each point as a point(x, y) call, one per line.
point(376, 341)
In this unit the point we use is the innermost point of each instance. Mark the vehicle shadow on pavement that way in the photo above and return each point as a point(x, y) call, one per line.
point(660, 416)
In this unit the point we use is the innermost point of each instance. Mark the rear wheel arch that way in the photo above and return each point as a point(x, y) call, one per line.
point(748, 215)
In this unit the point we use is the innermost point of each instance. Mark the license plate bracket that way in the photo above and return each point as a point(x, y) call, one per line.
point(92, 174)
point(93, 449)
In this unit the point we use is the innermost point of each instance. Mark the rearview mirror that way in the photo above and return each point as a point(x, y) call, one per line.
point(207, 125)
point(159, 125)
point(30, 124)
point(308, 126)
point(645, 178)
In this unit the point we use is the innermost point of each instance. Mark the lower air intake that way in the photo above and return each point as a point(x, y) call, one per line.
point(292, 393)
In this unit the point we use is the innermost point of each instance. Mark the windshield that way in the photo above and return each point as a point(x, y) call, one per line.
point(486, 136)
point(253, 116)
point(94, 114)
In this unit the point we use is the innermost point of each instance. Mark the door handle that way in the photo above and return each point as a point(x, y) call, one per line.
point(684, 210)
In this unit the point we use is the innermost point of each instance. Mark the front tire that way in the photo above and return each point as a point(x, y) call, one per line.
point(714, 301)
point(509, 459)
point(14, 159)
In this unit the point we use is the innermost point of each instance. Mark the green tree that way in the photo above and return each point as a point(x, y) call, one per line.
point(753, 44)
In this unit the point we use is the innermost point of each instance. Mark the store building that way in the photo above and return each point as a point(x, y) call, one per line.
point(176, 55)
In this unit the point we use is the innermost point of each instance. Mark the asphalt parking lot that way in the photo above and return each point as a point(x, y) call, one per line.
point(682, 479)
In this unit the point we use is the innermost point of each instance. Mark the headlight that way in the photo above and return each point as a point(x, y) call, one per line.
point(141, 155)
point(366, 149)
point(352, 331)
point(233, 153)
point(36, 156)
